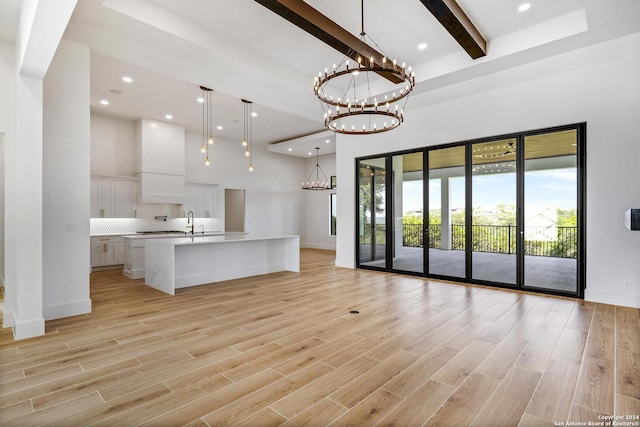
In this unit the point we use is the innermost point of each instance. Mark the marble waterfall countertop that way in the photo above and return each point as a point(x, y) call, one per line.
point(178, 262)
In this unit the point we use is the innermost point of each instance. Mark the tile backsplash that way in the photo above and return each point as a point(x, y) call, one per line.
point(151, 210)
point(105, 226)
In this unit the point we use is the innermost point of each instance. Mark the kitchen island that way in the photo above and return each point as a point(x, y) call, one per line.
point(134, 248)
point(179, 262)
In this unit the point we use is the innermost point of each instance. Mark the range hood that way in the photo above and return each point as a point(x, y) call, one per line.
point(160, 161)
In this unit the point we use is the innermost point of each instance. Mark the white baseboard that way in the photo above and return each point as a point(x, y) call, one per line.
point(615, 298)
point(28, 329)
point(8, 319)
point(346, 263)
point(69, 309)
point(317, 246)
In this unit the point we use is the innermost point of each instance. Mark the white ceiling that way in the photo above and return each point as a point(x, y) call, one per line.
point(242, 50)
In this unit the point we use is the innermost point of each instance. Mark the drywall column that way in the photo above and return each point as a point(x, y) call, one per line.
point(7, 126)
point(2, 208)
point(40, 30)
point(66, 174)
point(445, 212)
point(27, 210)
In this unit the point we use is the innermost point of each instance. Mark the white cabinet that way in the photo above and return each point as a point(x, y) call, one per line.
point(126, 198)
point(103, 191)
point(201, 199)
point(113, 197)
point(107, 250)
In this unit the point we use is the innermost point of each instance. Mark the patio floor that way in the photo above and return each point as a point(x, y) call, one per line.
point(540, 271)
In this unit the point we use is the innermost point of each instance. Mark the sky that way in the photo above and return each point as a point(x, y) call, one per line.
point(543, 189)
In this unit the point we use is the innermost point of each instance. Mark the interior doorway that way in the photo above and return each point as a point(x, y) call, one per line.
point(234, 204)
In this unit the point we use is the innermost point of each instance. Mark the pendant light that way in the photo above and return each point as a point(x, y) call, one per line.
point(317, 184)
point(247, 140)
point(207, 135)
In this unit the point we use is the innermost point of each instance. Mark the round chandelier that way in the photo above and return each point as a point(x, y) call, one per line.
point(317, 184)
point(345, 90)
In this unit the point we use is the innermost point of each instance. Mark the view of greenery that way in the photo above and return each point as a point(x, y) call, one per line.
point(494, 231)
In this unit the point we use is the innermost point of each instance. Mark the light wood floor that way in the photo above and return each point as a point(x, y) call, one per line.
point(284, 349)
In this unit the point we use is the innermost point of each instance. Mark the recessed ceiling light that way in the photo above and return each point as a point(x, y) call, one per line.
point(219, 127)
point(115, 91)
point(310, 154)
point(104, 102)
point(327, 141)
point(524, 6)
point(422, 46)
point(290, 149)
point(168, 116)
point(200, 100)
point(254, 114)
point(127, 79)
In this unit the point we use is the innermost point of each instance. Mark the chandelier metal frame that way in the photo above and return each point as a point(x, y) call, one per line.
point(317, 184)
point(367, 106)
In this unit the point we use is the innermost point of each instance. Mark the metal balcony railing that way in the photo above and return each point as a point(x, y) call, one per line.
point(553, 241)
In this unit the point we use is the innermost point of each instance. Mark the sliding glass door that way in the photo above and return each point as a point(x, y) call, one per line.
point(493, 216)
point(408, 219)
point(551, 211)
point(372, 238)
point(504, 211)
point(447, 195)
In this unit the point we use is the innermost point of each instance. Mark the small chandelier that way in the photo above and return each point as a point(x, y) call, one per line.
point(349, 112)
point(247, 140)
point(317, 184)
point(494, 151)
point(207, 135)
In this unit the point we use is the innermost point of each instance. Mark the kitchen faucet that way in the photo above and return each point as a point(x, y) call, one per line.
point(191, 221)
point(202, 226)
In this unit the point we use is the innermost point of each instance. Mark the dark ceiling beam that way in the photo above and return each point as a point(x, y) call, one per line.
point(324, 29)
point(456, 22)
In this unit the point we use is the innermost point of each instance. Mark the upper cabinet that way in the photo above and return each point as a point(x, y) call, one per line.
point(113, 197)
point(201, 199)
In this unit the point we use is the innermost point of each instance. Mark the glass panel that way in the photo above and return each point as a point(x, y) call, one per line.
point(408, 232)
point(334, 212)
point(371, 212)
point(550, 211)
point(446, 212)
point(494, 211)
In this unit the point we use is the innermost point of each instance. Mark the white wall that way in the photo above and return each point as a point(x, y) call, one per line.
point(7, 118)
point(598, 85)
point(274, 200)
point(317, 214)
point(7, 126)
point(66, 172)
point(113, 146)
